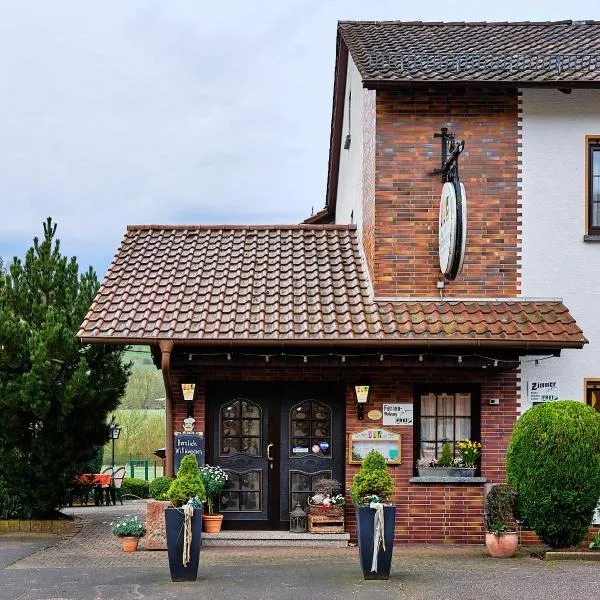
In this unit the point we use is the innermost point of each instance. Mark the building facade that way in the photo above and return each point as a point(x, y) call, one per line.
point(273, 327)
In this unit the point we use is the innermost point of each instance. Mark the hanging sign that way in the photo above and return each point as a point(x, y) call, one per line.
point(187, 444)
point(542, 391)
point(397, 414)
point(452, 233)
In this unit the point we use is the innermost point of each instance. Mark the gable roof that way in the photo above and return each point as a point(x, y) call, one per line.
point(556, 53)
point(388, 54)
point(289, 285)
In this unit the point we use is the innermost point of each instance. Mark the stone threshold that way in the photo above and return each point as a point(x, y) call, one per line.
point(558, 555)
point(275, 538)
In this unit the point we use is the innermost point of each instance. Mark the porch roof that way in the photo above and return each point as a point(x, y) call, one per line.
point(297, 284)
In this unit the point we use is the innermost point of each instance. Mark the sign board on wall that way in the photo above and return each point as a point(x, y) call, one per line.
point(387, 443)
point(187, 444)
point(542, 391)
point(397, 414)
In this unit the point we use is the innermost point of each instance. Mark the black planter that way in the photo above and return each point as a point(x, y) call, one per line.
point(365, 522)
point(174, 525)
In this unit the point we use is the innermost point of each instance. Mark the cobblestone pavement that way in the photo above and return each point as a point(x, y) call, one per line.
point(90, 565)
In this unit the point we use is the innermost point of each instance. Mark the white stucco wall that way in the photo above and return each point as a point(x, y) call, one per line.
point(350, 185)
point(556, 262)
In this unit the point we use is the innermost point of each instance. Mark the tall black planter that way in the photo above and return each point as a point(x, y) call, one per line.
point(174, 524)
point(365, 523)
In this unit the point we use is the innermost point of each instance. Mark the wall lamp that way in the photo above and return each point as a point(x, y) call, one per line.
point(361, 393)
point(188, 390)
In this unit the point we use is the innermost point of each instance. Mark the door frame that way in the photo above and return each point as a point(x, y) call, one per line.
point(275, 429)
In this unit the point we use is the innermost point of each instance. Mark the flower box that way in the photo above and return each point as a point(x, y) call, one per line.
point(446, 471)
point(333, 510)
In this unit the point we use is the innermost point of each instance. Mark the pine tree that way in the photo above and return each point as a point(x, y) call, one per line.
point(55, 393)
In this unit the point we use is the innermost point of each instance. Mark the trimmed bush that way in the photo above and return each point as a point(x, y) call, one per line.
point(373, 479)
point(501, 507)
point(446, 459)
point(135, 487)
point(188, 482)
point(159, 487)
point(553, 460)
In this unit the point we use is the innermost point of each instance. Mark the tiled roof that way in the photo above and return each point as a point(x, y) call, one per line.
point(543, 52)
point(287, 284)
point(533, 322)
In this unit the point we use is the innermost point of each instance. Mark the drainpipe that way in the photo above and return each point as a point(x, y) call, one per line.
point(166, 346)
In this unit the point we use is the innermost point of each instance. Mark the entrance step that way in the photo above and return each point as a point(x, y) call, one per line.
point(275, 538)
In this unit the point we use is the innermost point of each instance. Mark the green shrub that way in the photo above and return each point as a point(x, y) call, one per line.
point(501, 507)
point(553, 460)
point(159, 487)
point(373, 479)
point(135, 487)
point(188, 482)
point(446, 458)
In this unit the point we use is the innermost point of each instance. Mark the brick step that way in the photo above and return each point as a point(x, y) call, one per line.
point(275, 538)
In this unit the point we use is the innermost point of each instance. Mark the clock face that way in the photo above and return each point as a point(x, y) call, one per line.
point(452, 229)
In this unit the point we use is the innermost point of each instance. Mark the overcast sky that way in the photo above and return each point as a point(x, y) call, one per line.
point(120, 112)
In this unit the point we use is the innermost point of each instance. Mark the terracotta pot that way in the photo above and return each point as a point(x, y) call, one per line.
point(212, 523)
point(130, 544)
point(502, 546)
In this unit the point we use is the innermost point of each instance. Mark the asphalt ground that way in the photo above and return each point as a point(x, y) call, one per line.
point(89, 565)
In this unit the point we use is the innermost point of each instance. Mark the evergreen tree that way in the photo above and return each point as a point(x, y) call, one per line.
point(55, 393)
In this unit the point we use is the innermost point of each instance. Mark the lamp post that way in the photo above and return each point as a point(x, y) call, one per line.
point(115, 431)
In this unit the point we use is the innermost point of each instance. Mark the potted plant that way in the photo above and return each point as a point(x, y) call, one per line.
point(502, 538)
point(129, 530)
point(469, 451)
point(214, 479)
point(438, 467)
point(375, 522)
point(183, 520)
point(325, 501)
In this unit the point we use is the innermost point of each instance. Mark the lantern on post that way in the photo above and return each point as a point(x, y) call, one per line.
point(297, 519)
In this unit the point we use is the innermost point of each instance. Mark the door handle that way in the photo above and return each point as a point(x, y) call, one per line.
point(269, 446)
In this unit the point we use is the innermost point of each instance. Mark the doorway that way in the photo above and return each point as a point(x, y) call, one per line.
point(275, 441)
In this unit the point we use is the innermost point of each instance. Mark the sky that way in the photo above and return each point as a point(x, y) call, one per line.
point(181, 112)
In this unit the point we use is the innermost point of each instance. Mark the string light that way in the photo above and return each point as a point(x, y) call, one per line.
point(189, 356)
point(305, 359)
point(343, 358)
point(459, 360)
point(381, 357)
point(495, 363)
point(420, 358)
point(228, 356)
point(267, 358)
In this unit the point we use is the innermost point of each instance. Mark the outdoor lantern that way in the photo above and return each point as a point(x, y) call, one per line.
point(297, 519)
point(361, 392)
point(115, 432)
point(188, 390)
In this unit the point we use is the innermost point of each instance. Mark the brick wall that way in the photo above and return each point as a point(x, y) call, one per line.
point(426, 513)
point(407, 194)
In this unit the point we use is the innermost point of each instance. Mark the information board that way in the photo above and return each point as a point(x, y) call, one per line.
point(190, 443)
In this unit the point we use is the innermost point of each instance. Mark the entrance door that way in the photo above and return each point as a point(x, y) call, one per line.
point(275, 442)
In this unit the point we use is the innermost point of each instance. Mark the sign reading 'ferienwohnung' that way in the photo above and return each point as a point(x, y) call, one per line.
point(397, 414)
point(542, 391)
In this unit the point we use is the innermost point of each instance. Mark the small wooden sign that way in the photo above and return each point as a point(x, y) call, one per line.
point(387, 443)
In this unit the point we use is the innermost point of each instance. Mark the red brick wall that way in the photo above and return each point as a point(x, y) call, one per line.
point(407, 194)
point(425, 513)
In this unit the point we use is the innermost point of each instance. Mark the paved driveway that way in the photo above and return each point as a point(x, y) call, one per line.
point(90, 566)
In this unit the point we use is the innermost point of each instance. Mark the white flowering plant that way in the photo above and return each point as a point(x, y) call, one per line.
point(129, 526)
point(215, 479)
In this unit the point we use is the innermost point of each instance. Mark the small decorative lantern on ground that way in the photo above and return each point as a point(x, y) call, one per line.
point(298, 520)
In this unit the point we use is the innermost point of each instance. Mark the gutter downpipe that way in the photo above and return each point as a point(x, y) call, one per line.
point(166, 347)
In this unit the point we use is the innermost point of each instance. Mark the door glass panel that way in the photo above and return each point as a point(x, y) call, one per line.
point(302, 486)
point(242, 492)
point(240, 428)
point(310, 429)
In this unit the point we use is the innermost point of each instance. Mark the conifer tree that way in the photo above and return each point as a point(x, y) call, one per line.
point(55, 393)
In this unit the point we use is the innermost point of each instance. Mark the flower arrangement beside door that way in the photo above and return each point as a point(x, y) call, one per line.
point(326, 500)
point(215, 479)
point(129, 530)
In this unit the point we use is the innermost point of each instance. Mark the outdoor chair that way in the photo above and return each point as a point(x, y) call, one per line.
point(103, 494)
point(117, 482)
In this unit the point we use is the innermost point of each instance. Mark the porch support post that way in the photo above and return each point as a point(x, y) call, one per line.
point(166, 346)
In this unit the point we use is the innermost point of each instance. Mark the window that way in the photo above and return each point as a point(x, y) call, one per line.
point(593, 187)
point(310, 429)
point(592, 393)
point(240, 428)
point(444, 415)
